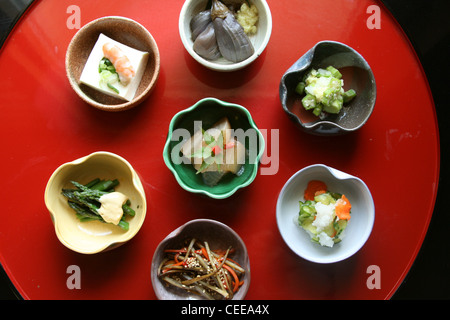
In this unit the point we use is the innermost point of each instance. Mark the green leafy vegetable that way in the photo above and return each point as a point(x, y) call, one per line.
point(84, 200)
point(108, 74)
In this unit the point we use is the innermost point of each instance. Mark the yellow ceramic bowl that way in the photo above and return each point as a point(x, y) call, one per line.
point(94, 236)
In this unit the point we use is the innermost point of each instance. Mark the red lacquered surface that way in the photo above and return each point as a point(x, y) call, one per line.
point(44, 124)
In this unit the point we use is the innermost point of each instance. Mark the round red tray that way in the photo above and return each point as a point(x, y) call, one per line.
point(44, 124)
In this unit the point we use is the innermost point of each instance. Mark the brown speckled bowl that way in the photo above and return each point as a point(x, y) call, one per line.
point(125, 31)
point(219, 236)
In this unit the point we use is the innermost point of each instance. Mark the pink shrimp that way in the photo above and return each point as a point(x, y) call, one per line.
point(120, 61)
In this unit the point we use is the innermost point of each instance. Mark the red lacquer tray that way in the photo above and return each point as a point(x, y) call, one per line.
point(44, 124)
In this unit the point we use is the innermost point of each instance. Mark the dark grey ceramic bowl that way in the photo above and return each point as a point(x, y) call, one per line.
point(357, 75)
point(219, 236)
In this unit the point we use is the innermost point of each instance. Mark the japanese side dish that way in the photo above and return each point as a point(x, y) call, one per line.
point(98, 201)
point(199, 270)
point(323, 91)
point(215, 152)
point(324, 215)
point(223, 31)
point(114, 68)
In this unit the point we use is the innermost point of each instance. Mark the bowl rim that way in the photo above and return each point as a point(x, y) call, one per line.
point(107, 245)
point(128, 104)
point(310, 55)
point(339, 175)
point(224, 67)
point(177, 231)
point(170, 165)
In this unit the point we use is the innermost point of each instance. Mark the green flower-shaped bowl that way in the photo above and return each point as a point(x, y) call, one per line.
point(209, 111)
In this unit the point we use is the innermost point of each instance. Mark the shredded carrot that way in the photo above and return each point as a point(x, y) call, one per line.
point(343, 207)
point(314, 188)
point(205, 254)
point(236, 278)
point(172, 265)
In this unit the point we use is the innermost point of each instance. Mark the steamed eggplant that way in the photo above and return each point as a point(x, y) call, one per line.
point(234, 44)
point(206, 44)
point(199, 23)
point(216, 32)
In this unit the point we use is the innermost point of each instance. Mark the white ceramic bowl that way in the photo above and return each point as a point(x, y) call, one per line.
point(359, 227)
point(259, 40)
point(94, 236)
point(218, 236)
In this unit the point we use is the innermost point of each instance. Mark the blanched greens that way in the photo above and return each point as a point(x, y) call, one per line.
point(84, 200)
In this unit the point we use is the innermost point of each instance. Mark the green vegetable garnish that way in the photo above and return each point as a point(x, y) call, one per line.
point(84, 200)
point(323, 90)
point(112, 88)
point(108, 74)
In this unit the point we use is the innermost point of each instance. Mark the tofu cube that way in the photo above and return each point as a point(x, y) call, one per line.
point(91, 77)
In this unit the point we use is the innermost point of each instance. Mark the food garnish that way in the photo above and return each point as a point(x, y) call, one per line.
point(324, 214)
point(196, 268)
point(108, 74)
point(215, 152)
point(120, 61)
point(98, 201)
point(323, 91)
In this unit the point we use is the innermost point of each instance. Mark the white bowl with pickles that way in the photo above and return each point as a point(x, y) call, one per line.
point(225, 35)
point(325, 215)
point(96, 202)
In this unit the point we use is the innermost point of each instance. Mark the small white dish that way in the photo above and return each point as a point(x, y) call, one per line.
point(359, 227)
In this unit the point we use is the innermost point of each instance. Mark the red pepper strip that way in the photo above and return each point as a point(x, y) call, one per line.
point(175, 264)
point(205, 253)
point(216, 150)
point(236, 279)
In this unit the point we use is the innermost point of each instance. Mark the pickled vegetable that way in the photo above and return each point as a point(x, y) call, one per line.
point(324, 215)
point(323, 91)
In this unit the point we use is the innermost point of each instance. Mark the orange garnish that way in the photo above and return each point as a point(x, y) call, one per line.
point(343, 207)
point(315, 187)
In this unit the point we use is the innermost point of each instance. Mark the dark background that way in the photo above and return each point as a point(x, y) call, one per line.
point(427, 25)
